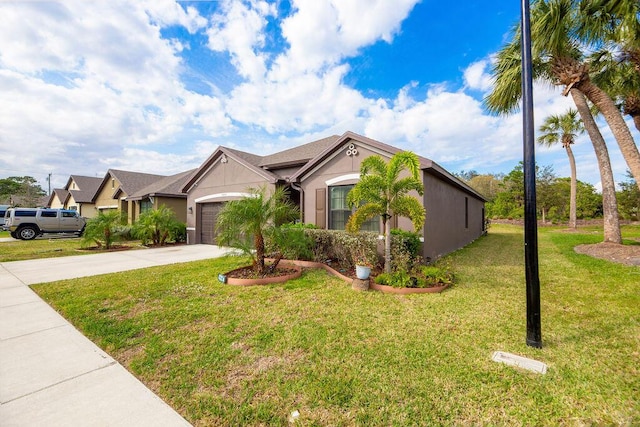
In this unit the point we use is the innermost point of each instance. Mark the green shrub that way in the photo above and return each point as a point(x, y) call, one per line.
point(157, 226)
point(291, 241)
point(343, 246)
point(103, 229)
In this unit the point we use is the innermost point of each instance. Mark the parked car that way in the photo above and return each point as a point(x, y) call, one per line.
point(28, 223)
point(3, 210)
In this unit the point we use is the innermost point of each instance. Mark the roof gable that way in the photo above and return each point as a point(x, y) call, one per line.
point(128, 182)
point(87, 187)
point(248, 160)
point(170, 186)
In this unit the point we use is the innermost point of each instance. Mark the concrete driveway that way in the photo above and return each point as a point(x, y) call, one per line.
point(50, 374)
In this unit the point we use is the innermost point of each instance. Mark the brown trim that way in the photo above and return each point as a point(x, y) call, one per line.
point(321, 207)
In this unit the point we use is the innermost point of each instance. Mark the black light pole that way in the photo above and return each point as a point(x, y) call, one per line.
point(534, 333)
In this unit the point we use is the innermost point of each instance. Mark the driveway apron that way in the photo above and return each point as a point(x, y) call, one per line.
point(51, 374)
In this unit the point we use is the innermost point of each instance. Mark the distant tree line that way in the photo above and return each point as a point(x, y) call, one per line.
point(22, 191)
point(505, 195)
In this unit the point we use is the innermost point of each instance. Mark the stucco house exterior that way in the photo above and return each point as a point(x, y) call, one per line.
point(76, 195)
point(116, 186)
point(81, 191)
point(319, 175)
point(165, 191)
point(57, 198)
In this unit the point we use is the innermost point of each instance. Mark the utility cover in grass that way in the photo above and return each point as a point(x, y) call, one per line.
point(519, 361)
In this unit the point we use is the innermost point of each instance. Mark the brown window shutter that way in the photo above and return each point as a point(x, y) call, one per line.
point(321, 210)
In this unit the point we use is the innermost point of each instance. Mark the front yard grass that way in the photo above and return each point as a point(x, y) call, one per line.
point(44, 247)
point(18, 250)
point(223, 355)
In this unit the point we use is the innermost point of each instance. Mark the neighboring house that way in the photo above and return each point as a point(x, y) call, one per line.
point(57, 198)
point(81, 191)
point(165, 191)
point(116, 186)
point(319, 175)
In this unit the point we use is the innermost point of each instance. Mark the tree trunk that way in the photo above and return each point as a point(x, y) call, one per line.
point(387, 243)
point(259, 244)
point(574, 188)
point(609, 203)
point(616, 123)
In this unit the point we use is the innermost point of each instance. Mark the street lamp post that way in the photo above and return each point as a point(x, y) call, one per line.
point(534, 334)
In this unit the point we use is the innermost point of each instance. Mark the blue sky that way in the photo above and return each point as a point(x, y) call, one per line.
point(156, 85)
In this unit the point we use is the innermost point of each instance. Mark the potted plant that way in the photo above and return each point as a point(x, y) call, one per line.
point(364, 259)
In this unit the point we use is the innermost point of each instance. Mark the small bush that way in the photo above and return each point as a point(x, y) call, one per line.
point(343, 246)
point(291, 241)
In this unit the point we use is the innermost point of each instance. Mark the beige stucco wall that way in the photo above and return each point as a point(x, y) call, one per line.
point(87, 210)
point(71, 203)
point(178, 206)
point(222, 182)
point(104, 197)
point(342, 166)
point(56, 203)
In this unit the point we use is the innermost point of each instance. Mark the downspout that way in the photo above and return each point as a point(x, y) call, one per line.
point(301, 191)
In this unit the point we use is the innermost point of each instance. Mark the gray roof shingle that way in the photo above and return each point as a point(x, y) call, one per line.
point(169, 186)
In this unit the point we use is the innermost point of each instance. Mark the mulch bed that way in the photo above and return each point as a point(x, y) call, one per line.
point(249, 273)
point(622, 254)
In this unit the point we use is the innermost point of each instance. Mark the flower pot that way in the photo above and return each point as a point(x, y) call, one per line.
point(362, 272)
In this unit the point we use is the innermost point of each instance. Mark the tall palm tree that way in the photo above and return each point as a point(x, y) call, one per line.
point(382, 192)
point(611, 227)
point(564, 129)
point(507, 90)
point(559, 59)
point(614, 26)
point(245, 223)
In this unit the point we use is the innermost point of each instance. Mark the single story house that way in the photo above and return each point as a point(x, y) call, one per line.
point(165, 191)
point(319, 175)
point(57, 198)
point(116, 186)
point(81, 191)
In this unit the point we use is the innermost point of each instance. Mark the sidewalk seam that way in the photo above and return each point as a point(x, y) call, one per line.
point(112, 363)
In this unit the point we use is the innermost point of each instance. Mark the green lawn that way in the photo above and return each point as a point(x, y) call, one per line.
point(47, 247)
point(223, 355)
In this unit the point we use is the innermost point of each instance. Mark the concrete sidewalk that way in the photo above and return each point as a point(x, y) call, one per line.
point(50, 374)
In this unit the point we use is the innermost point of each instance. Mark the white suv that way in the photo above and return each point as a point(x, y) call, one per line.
point(28, 223)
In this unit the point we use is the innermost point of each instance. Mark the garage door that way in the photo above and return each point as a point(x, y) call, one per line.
point(208, 216)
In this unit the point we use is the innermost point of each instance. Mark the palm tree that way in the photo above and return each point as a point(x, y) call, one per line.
point(245, 223)
point(382, 192)
point(103, 228)
point(507, 90)
point(564, 129)
point(559, 60)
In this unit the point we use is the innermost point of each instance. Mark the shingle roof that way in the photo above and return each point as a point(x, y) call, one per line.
point(87, 187)
point(298, 155)
point(61, 193)
point(131, 182)
point(169, 186)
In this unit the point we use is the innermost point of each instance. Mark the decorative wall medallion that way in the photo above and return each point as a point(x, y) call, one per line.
point(352, 150)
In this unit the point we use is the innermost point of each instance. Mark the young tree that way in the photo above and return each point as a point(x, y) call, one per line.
point(156, 225)
point(382, 192)
point(103, 228)
point(564, 129)
point(245, 223)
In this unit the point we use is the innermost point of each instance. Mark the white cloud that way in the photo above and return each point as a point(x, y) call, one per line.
point(81, 81)
point(239, 29)
point(476, 76)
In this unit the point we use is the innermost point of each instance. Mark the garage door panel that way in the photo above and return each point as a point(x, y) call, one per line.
point(208, 217)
